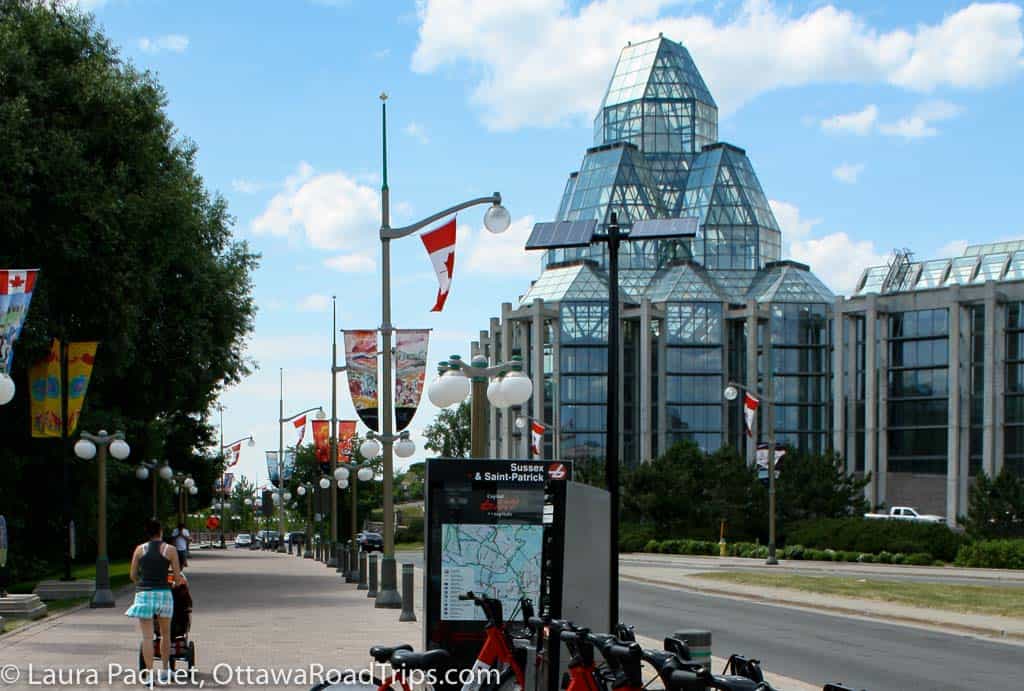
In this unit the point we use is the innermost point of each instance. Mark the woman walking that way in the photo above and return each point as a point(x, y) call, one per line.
point(151, 562)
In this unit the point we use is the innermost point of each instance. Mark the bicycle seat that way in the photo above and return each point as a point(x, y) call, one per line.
point(430, 659)
point(383, 653)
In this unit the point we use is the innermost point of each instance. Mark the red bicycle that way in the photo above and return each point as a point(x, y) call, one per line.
point(499, 650)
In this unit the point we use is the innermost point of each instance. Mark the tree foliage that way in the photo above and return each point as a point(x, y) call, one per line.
point(448, 435)
point(100, 192)
point(812, 486)
point(995, 506)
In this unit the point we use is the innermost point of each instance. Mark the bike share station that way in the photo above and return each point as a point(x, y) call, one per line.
point(510, 529)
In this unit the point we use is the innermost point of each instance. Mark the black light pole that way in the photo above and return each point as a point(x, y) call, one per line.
point(611, 452)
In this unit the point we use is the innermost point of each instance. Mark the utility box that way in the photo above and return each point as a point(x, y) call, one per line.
point(586, 557)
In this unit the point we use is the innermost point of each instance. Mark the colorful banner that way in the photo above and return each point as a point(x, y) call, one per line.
point(44, 388)
point(300, 427)
point(235, 453)
point(272, 469)
point(81, 358)
point(224, 484)
point(346, 434)
point(361, 364)
point(322, 440)
point(16, 286)
point(289, 465)
point(410, 370)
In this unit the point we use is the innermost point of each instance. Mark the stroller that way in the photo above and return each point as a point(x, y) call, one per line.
point(181, 622)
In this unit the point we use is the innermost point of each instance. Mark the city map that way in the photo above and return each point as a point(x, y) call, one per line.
point(501, 561)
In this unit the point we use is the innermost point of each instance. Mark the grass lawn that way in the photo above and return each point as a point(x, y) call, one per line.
point(408, 546)
point(975, 599)
point(118, 576)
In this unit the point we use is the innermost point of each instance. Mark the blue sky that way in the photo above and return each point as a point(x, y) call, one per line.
point(870, 125)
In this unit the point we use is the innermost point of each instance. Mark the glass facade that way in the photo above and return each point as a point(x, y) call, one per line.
point(801, 365)
point(1014, 402)
point(583, 379)
point(918, 408)
point(693, 373)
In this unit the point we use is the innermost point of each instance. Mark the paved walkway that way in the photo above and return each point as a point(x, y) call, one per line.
point(251, 608)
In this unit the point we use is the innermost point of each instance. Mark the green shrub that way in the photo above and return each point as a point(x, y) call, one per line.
point(867, 558)
point(793, 552)
point(920, 559)
point(635, 537)
point(876, 536)
point(651, 546)
point(412, 532)
point(899, 558)
point(992, 554)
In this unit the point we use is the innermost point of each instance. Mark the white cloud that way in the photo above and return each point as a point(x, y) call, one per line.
point(417, 132)
point(919, 123)
point(526, 75)
point(792, 224)
point(331, 210)
point(352, 263)
point(860, 122)
point(244, 186)
point(848, 172)
point(171, 43)
point(498, 255)
point(953, 248)
point(836, 259)
point(315, 303)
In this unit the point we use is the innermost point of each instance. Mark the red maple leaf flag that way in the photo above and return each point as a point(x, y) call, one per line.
point(440, 244)
point(536, 439)
point(300, 427)
point(236, 452)
point(750, 404)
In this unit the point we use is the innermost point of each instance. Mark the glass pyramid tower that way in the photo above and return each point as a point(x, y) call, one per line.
point(655, 155)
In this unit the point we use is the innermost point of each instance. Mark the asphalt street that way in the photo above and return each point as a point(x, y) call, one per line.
point(816, 648)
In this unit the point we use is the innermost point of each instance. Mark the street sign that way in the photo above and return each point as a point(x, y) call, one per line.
point(489, 523)
point(212, 523)
point(72, 539)
point(3, 542)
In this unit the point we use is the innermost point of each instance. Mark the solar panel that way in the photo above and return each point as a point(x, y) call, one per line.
point(561, 234)
point(665, 228)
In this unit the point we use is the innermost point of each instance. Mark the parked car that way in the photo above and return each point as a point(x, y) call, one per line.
point(370, 542)
point(296, 537)
point(906, 513)
point(268, 539)
point(243, 540)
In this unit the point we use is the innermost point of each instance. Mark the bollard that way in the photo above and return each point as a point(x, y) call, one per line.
point(339, 562)
point(362, 572)
point(372, 567)
point(699, 643)
point(353, 564)
point(408, 580)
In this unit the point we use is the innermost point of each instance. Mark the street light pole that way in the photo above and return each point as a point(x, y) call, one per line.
point(732, 390)
point(87, 447)
point(496, 220)
point(333, 436)
point(611, 452)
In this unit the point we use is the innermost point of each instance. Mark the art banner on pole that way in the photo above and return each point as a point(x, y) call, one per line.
point(46, 391)
point(322, 440)
point(272, 469)
point(410, 371)
point(361, 365)
point(346, 433)
point(16, 286)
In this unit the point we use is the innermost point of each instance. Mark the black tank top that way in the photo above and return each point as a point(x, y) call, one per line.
point(153, 567)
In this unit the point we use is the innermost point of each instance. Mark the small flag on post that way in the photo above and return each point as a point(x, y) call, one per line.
point(236, 453)
point(300, 427)
point(750, 404)
point(440, 244)
point(536, 439)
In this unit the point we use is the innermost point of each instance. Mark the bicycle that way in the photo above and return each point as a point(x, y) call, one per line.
point(499, 648)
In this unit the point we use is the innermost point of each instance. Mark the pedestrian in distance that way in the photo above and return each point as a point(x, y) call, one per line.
point(182, 539)
point(151, 562)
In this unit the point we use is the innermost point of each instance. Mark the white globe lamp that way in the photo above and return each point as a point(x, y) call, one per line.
point(369, 448)
point(516, 388)
point(85, 449)
point(325, 483)
point(142, 472)
point(365, 474)
point(497, 219)
point(405, 447)
point(119, 449)
point(6, 389)
point(341, 473)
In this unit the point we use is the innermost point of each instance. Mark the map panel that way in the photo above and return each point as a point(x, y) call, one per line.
point(501, 561)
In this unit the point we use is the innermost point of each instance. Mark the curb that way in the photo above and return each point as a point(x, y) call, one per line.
point(54, 617)
point(998, 634)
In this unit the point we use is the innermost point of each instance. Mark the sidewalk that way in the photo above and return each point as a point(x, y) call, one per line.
point(678, 576)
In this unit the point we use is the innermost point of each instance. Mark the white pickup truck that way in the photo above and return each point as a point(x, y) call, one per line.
point(907, 513)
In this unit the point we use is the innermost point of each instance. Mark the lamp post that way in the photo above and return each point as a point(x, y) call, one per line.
point(306, 489)
point(183, 486)
point(149, 468)
point(503, 385)
point(91, 446)
point(363, 473)
point(731, 393)
point(496, 220)
point(280, 452)
point(223, 485)
point(333, 436)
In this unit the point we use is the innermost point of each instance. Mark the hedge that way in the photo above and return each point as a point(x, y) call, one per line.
point(992, 554)
point(877, 536)
point(412, 532)
point(634, 537)
point(798, 552)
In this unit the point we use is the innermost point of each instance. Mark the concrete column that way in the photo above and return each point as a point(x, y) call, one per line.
point(727, 373)
point(752, 373)
point(838, 380)
point(492, 412)
point(988, 430)
point(871, 400)
point(506, 449)
point(953, 430)
point(999, 384)
point(537, 353)
point(882, 384)
point(644, 373)
point(852, 362)
point(556, 390)
point(662, 389)
point(621, 375)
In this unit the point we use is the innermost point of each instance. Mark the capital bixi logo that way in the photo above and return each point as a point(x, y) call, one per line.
point(557, 471)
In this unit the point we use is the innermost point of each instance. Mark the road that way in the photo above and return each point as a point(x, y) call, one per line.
point(817, 647)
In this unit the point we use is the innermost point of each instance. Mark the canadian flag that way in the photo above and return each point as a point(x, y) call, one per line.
point(14, 281)
point(236, 453)
point(300, 427)
point(536, 439)
point(750, 404)
point(440, 244)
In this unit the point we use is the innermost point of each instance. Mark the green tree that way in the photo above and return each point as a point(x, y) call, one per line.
point(812, 486)
point(995, 506)
point(448, 434)
point(100, 192)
